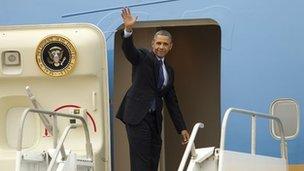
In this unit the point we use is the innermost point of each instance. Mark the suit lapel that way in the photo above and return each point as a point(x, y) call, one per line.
point(169, 72)
point(155, 68)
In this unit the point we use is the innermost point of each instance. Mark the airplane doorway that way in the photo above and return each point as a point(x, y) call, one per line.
point(195, 58)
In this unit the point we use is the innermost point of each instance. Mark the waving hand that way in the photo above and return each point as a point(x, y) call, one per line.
point(128, 19)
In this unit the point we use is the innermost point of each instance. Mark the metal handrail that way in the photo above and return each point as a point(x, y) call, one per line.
point(190, 146)
point(89, 151)
point(60, 144)
point(37, 105)
point(253, 114)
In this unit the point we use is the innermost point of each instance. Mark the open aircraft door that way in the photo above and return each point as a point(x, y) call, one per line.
point(54, 100)
point(196, 59)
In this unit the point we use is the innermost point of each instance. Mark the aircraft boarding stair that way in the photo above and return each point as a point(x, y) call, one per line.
point(220, 159)
point(57, 158)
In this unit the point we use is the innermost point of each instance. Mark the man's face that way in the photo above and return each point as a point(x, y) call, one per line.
point(161, 45)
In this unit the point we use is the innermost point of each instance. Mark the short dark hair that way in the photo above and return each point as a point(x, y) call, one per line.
point(163, 33)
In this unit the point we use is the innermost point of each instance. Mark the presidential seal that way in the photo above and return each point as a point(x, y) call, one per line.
point(56, 55)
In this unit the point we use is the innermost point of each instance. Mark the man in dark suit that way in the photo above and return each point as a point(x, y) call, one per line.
point(141, 108)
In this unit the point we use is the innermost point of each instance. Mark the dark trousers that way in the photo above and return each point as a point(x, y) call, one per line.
point(145, 143)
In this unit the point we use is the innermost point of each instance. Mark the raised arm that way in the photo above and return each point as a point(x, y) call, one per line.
point(130, 51)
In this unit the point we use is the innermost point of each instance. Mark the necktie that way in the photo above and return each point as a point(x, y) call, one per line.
point(161, 77)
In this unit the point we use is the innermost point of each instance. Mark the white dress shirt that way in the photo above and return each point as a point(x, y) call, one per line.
point(164, 71)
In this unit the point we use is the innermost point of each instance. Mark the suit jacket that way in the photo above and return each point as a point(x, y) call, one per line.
point(143, 91)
